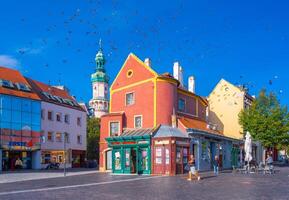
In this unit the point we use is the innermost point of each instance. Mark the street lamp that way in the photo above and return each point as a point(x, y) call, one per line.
point(64, 147)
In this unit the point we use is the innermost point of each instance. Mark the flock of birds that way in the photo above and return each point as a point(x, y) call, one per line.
point(90, 23)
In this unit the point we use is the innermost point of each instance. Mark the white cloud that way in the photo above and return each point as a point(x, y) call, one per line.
point(9, 61)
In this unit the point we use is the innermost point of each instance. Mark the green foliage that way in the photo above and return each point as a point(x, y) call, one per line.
point(93, 134)
point(267, 121)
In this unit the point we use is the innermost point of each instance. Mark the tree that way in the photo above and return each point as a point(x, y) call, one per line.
point(267, 121)
point(93, 133)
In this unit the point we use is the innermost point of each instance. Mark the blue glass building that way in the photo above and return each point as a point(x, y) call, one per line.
point(20, 120)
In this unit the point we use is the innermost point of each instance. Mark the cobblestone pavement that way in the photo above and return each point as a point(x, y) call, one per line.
point(106, 186)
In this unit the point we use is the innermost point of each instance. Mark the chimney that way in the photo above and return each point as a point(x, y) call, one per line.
point(178, 73)
point(61, 87)
point(191, 84)
point(148, 62)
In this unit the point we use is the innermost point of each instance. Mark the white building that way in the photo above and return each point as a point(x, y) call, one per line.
point(63, 126)
point(99, 102)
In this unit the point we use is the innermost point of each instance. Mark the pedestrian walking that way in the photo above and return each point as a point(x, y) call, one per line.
point(193, 171)
point(216, 165)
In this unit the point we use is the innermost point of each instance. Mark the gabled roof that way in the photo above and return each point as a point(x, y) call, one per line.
point(15, 77)
point(168, 131)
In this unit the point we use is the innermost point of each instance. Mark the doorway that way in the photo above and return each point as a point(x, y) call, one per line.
point(108, 156)
point(133, 166)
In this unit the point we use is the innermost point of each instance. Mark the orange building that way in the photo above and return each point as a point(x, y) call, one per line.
point(148, 111)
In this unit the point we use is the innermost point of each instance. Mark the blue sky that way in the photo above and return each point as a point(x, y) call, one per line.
point(245, 42)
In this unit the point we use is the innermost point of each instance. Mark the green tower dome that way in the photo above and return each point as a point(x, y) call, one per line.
point(99, 75)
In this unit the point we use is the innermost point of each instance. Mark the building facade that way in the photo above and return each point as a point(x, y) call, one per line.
point(154, 120)
point(99, 102)
point(226, 101)
point(39, 124)
point(20, 124)
point(63, 126)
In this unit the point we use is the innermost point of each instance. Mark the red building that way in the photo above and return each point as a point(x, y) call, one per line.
point(143, 132)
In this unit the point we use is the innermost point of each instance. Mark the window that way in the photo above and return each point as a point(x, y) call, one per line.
point(129, 99)
point(58, 137)
point(66, 118)
point(158, 155)
point(138, 121)
point(50, 136)
point(114, 128)
point(58, 117)
point(6, 83)
point(23, 87)
point(129, 73)
point(79, 139)
point(79, 121)
point(50, 115)
point(181, 104)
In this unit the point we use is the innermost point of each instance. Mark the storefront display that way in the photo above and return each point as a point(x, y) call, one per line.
point(130, 155)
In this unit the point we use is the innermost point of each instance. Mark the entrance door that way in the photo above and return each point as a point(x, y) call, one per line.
point(143, 161)
point(133, 167)
point(108, 158)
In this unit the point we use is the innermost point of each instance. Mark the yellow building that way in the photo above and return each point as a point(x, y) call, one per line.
point(225, 103)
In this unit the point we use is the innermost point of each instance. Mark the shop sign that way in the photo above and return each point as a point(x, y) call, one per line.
point(123, 143)
point(162, 142)
point(129, 142)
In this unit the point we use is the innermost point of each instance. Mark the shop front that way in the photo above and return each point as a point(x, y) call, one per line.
point(28, 155)
point(78, 158)
point(55, 156)
point(19, 132)
point(170, 151)
point(131, 152)
point(208, 145)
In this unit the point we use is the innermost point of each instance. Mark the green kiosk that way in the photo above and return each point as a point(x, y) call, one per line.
point(131, 151)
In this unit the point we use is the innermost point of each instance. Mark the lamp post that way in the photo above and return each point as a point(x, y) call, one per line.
point(64, 147)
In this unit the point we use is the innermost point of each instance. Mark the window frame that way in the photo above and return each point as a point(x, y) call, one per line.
point(60, 117)
point(134, 124)
point(126, 94)
point(68, 119)
point(182, 99)
point(56, 138)
point(80, 139)
point(109, 127)
point(50, 111)
point(78, 121)
point(52, 136)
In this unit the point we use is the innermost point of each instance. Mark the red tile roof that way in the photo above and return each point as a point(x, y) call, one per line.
point(15, 77)
point(40, 87)
point(197, 124)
